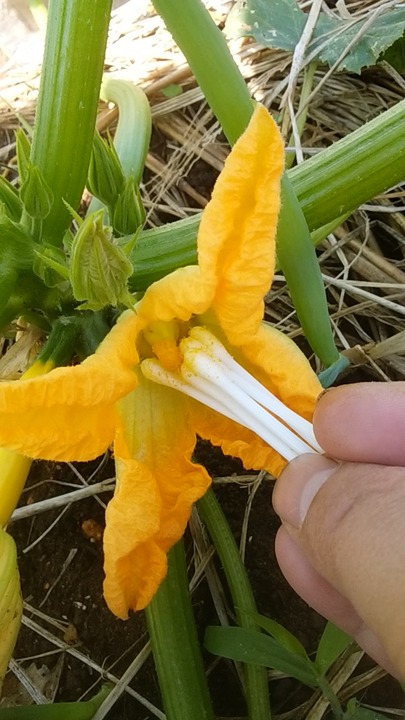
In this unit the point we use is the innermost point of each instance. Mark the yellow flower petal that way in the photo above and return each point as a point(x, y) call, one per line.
point(278, 363)
point(235, 440)
point(183, 293)
point(236, 239)
point(69, 413)
point(156, 487)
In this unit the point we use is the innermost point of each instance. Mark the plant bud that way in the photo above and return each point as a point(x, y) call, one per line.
point(10, 200)
point(99, 269)
point(105, 178)
point(129, 213)
point(35, 193)
point(23, 148)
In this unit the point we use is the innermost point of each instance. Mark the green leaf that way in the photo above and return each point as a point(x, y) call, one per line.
point(332, 643)
point(253, 647)
point(58, 711)
point(171, 91)
point(354, 711)
point(279, 24)
point(395, 55)
point(383, 32)
point(280, 634)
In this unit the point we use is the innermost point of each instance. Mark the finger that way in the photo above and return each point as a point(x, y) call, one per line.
point(353, 535)
point(364, 422)
point(323, 598)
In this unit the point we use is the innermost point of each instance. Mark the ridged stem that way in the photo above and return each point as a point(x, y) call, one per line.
point(329, 187)
point(175, 645)
point(257, 692)
point(208, 55)
point(67, 105)
point(353, 170)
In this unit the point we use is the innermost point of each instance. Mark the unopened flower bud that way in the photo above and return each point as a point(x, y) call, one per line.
point(105, 178)
point(10, 200)
point(99, 269)
point(35, 193)
point(129, 213)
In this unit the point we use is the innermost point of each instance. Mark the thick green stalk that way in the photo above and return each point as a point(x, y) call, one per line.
point(206, 50)
point(175, 645)
point(351, 171)
point(305, 283)
point(208, 55)
point(257, 692)
point(67, 105)
point(316, 187)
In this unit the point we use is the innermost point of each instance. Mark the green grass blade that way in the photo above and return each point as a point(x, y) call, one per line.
point(249, 646)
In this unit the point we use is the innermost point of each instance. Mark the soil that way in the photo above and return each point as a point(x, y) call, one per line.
point(75, 597)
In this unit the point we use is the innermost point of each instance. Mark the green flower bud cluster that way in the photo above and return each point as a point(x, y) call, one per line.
point(107, 182)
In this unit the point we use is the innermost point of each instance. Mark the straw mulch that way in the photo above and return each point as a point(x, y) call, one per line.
point(363, 265)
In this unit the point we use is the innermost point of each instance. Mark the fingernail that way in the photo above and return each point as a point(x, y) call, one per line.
point(297, 486)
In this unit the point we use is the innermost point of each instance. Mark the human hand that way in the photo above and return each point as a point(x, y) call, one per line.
point(342, 541)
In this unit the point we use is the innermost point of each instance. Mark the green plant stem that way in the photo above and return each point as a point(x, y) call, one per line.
point(175, 645)
point(316, 190)
point(332, 699)
point(206, 50)
point(305, 283)
point(67, 104)
point(356, 168)
point(209, 57)
point(257, 693)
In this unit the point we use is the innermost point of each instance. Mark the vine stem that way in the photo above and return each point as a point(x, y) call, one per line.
point(175, 645)
point(257, 692)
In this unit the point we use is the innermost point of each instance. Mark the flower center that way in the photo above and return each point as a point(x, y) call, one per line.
point(210, 375)
point(163, 339)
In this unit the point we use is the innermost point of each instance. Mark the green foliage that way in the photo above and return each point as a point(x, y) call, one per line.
point(23, 149)
point(57, 711)
point(249, 646)
point(395, 55)
point(280, 24)
point(99, 269)
point(35, 193)
point(171, 91)
point(282, 651)
point(333, 643)
point(354, 711)
point(129, 214)
point(105, 179)
point(9, 197)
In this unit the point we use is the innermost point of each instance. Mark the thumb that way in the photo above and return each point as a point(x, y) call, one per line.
point(342, 547)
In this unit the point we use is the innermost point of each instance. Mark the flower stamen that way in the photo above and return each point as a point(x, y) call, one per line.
point(210, 375)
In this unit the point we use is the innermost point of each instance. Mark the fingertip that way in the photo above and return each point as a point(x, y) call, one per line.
point(361, 422)
point(298, 484)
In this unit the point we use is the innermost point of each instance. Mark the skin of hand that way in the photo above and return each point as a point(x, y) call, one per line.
point(341, 545)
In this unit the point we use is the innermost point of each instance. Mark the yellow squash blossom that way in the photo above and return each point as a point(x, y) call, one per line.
point(178, 338)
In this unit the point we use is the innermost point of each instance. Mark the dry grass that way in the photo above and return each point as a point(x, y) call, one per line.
point(362, 262)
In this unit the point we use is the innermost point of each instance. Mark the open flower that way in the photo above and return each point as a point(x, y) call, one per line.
point(198, 317)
